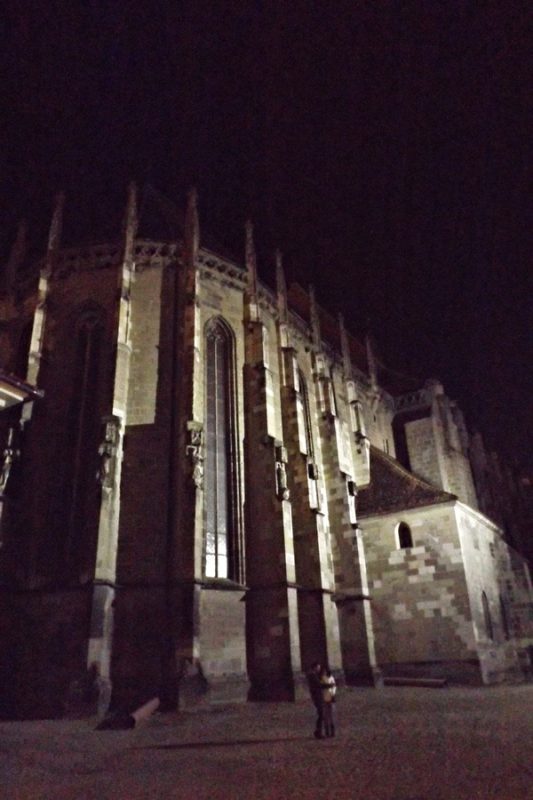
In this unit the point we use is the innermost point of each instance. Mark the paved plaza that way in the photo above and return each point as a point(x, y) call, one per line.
point(392, 744)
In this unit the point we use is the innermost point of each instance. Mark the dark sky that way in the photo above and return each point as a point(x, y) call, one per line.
point(384, 146)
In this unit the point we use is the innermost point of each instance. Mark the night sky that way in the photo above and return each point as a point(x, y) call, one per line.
point(383, 146)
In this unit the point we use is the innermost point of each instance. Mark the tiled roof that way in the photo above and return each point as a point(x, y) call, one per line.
point(394, 488)
point(395, 383)
point(329, 326)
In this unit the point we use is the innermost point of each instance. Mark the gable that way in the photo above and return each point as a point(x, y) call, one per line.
point(393, 488)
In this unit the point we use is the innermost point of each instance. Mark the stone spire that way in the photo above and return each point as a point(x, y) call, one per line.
point(361, 462)
point(251, 260)
point(281, 288)
point(326, 400)
point(130, 224)
point(129, 232)
point(283, 306)
point(315, 320)
point(371, 361)
point(192, 229)
point(17, 254)
point(39, 317)
point(345, 350)
point(55, 232)
point(251, 270)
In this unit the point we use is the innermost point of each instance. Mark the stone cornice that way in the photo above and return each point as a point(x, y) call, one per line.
point(149, 254)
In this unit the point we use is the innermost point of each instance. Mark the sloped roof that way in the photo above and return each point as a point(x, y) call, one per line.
point(394, 382)
point(329, 326)
point(394, 488)
point(14, 390)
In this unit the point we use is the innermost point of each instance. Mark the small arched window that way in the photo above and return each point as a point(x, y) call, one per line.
point(487, 617)
point(405, 537)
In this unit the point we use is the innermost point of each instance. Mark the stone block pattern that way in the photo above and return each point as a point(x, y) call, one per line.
point(420, 605)
point(145, 332)
point(355, 633)
point(315, 588)
point(272, 625)
point(494, 570)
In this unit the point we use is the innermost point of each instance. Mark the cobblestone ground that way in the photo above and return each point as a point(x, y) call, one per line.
point(392, 744)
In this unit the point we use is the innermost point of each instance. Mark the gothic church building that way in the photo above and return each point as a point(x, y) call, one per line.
point(213, 485)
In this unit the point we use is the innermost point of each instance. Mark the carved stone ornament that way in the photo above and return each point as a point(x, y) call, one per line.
point(10, 455)
point(282, 487)
point(195, 451)
point(107, 452)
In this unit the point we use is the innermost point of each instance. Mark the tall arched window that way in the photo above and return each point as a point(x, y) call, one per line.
point(486, 616)
point(307, 418)
point(83, 425)
point(405, 537)
point(220, 462)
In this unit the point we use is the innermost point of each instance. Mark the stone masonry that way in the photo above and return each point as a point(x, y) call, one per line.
point(221, 485)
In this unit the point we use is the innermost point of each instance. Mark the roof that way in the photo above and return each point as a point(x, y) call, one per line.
point(300, 302)
point(394, 382)
point(13, 391)
point(394, 488)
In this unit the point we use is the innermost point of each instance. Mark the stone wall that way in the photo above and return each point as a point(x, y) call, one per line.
point(216, 646)
point(425, 456)
point(145, 331)
point(379, 415)
point(419, 597)
point(438, 452)
point(43, 654)
point(502, 629)
point(307, 566)
point(221, 642)
point(427, 602)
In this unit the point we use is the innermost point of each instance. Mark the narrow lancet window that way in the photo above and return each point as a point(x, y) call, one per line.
point(221, 547)
point(307, 418)
point(405, 537)
point(505, 619)
point(487, 617)
point(83, 422)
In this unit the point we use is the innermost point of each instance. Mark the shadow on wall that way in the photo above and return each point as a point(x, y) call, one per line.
point(41, 654)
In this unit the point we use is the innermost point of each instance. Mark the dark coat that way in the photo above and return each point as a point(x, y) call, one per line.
point(315, 688)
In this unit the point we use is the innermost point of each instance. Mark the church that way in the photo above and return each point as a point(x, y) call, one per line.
point(208, 485)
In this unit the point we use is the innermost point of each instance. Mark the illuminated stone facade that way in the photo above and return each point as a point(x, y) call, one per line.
point(207, 497)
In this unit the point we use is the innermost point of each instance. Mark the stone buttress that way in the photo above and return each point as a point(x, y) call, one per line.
point(345, 453)
point(110, 467)
point(273, 647)
point(182, 676)
point(317, 614)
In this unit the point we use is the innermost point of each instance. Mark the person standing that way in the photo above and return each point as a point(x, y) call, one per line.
point(316, 692)
point(329, 690)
